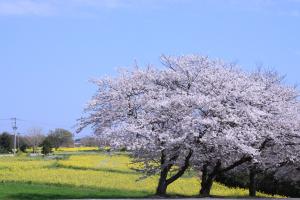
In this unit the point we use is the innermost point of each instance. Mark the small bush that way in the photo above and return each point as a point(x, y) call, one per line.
point(123, 149)
point(46, 147)
point(23, 147)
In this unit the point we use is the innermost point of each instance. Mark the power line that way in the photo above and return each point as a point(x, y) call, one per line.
point(14, 127)
point(41, 123)
point(36, 122)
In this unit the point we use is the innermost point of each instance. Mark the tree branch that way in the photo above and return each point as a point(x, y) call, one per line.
point(237, 163)
point(182, 169)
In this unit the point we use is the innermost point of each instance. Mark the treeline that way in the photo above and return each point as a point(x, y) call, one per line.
point(265, 182)
point(35, 139)
point(91, 141)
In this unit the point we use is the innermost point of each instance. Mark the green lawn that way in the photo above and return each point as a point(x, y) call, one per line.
point(27, 191)
point(88, 175)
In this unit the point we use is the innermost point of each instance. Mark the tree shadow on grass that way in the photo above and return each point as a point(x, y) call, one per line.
point(37, 191)
point(34, 196)
point(95, 169)
point(25, 191)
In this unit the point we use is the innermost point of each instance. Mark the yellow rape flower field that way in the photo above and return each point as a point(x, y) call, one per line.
point(76, 149)
point(88, 175)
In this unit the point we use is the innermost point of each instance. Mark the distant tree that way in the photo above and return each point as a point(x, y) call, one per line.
point(89, 141)
point(60, 138)
point(23, 147)
point(35, 138)
point(46, 147)
point(6, 143)
point(23, 143)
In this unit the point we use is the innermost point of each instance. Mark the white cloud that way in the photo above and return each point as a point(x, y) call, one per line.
point(24, 7)
point(289, 8)
point(62, 7)
point(278, 7)
point(101, 3)
point(55, 7)
point(75, 7)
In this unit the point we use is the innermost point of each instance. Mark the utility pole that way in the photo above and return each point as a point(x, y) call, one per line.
point(14, 127)
point(18, 141)
point(73, 135)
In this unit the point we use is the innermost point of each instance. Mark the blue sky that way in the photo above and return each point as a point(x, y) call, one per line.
point(49, 49)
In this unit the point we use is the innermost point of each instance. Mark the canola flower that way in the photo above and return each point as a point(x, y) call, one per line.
point(68, 149)
point(100, 171)
point(76, 149)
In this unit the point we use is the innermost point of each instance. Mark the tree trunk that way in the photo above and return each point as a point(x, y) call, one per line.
point(252, 183)
point(275, 187)
point(161, 189)
point(203, 178)
point(208, 179)
point(206, 186)
point(163, 182)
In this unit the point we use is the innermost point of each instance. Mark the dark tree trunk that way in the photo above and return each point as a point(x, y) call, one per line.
point(275, 187)
point(208, 179)
point(163, 182)
point(182, 169)
point(252, 182)
point(161, 189)
point(204, 178)
point(206, 186)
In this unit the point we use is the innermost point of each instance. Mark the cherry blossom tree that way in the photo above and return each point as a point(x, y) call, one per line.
point(194, 110)
point(263, 115)
point(146, 112)
point(280, 142)
point(279, 155)
point(158, 114)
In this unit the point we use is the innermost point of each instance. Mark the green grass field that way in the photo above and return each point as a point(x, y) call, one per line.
point(87, 175)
